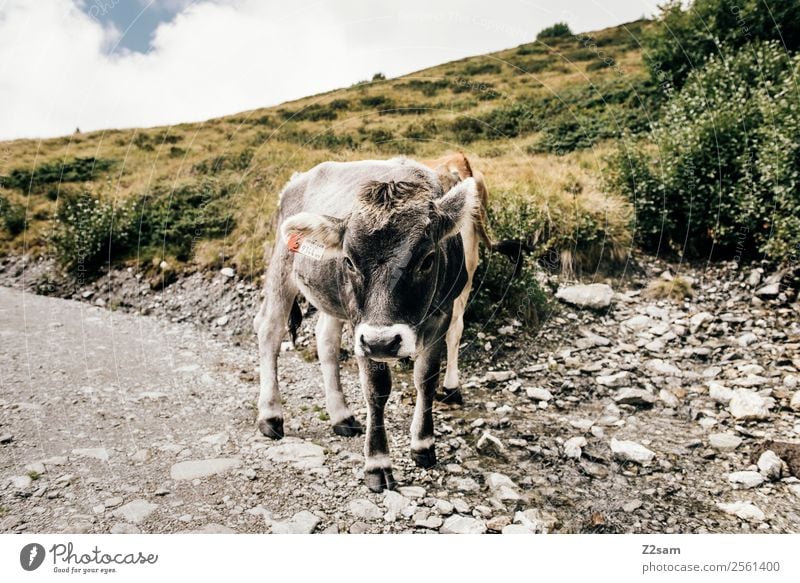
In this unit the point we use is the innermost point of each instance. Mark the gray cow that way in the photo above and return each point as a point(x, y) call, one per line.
point(375, 244)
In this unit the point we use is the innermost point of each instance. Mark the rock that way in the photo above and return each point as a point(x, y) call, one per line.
point(125, 528)
point(770, 465)
point(36, 468)
point(191, 469)
point(21, 482)
point(222, 320)
point(595, 296)
point(498, 523)
point(503, 487)
point(669, 399)
point(301, 454)
point(744, 510)
point(769, 291)
point(141, 455)
point(499, 376)
point(632, 506)
point(210, 528)
point(460, 505)
point(227, 272)
point(432, 522)
point(444, 507)
point(136, 511)
point(363, 508)
point(637, 323)
point(746, 479)
point(755, 277)
point(463, 484)
point(219, 439)
point(536, 521)
point(699, 320)
point(572, 447)
point(791, 381)
point(746, 339)
point(720, 393)
point(413, 492)
point(663, 368)
point(303, 522)
point(457, 524)
point(795, 402)
point(516, 529)
point(631, 451)
point(113, 502)
point(6, 438)
point(488, 444)
point(615, 380)
point(724, 441)
point(636, 397)
point(747, 405)
point(538, 394)
point(98, 453)
point(395, 502)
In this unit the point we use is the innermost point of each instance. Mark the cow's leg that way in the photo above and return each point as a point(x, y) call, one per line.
point(270, 325)
point(329, 339)
point(377, 384)
point(426, 380)
point(452, 392)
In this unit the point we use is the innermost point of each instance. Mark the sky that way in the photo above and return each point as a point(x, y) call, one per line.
point(96, 64)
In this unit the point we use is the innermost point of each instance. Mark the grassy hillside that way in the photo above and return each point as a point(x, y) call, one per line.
point(536, 119)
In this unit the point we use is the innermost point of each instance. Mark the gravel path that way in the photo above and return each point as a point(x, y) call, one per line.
point(642, 418)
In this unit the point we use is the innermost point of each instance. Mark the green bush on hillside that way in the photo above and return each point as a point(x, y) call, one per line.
point(13, 216)
point(76, 170)
point(726, 173)
point(559, 29)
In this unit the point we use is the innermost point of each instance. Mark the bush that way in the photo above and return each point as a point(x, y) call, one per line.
point(684, 38)
point(726, 176)
point(13, 216)
point(481, 68)
point(89, 230)
point(76, 170)
point(238, 162)
point(559, 29)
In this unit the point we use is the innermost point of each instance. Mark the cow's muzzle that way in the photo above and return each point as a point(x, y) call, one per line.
point(383, 343)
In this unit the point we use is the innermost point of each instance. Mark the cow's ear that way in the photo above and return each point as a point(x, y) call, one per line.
point(460, 205)
point(314, 229)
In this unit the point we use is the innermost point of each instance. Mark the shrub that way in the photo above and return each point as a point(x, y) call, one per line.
point(559, 29)
point(726, 174)
point(76, 170)
point(481, 68)
point(89, 230)
point(377, 101)
point(237, 162)
point(13, 216)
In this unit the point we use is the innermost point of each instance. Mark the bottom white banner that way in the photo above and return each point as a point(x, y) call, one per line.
point(385, 558)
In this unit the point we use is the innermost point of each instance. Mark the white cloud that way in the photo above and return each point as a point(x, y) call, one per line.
point(220, 57)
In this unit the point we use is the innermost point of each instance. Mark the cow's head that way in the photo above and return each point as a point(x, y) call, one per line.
point(390, 252)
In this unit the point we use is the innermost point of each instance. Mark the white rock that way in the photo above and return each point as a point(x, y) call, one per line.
point(301, 454)
point(638, 397)
point(499, 376)
point(770, 290)
point(699, 320)
point(538, 394)
point(536, 521)
point(457, 524)
point(615, 380)
point(303, 522)
point(637, 323)
point(791, 381)
point(413, 492)
point(572, 447)
point(216, 439)
point(719, 393)
point(227, 271)
point(662, 367)
point(432, 522)
point(98, 453)
point(595, 296)
point(395, 502)
point(746, 339)
point(631, 451)
point(770, 465)
point(135, 511)
point(746, 479)
point(21, 482)
point(503, 487)
point(795, 403)
point(749, 405)
point(463, 484)
point(744, 510)
point(488, 443)
point(724, 441)
point(191, 469)
point(363, 508)
point(669, 399)
point(516, 529)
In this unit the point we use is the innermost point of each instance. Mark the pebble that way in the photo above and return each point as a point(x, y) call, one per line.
point(413, 492)
point(500, 376)
point(227, 272)
point(301, 454)
point(661, 367)
point(746, 479)
point(6, 438)
point(614, 380)
point(719, 393)
point(770, 465)
point(363, 508)
point(489, 444)
point(503, 487)
point(21, 482)
point(636, 397)
point(631, 451)
point(303, 522)
point(463, 484)
point(747, 405)
point(538, 394)
point(432, 522)
point(744, 510)
point(457, 524)
point(724, 441)
point(536, 521)
point(98, 453)
point(795, 403)
point(136, 511)
point(192, 469)
point(572, 447)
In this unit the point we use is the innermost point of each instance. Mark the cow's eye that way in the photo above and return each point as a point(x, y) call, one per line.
point(348, 263)
point(426, 264)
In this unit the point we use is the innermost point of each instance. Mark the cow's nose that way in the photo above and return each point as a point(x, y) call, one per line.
point(380, 346)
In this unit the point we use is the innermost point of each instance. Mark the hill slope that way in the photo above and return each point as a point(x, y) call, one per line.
point(536, 119)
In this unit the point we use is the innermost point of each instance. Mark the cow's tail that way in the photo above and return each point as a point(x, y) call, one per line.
point(513, 249)
point(295, 319)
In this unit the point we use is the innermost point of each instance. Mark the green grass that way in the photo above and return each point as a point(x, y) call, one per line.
point(536, 119)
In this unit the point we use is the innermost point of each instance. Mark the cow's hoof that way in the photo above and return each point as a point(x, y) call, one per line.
point(349, 427)
point(424, 458)
point(272, 427)
point(379, 479)
point(450, 396)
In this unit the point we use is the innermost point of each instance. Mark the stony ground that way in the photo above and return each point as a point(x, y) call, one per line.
point(132, 411)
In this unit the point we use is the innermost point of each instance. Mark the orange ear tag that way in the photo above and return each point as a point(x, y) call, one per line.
point(312, 249)
point(294, 242)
